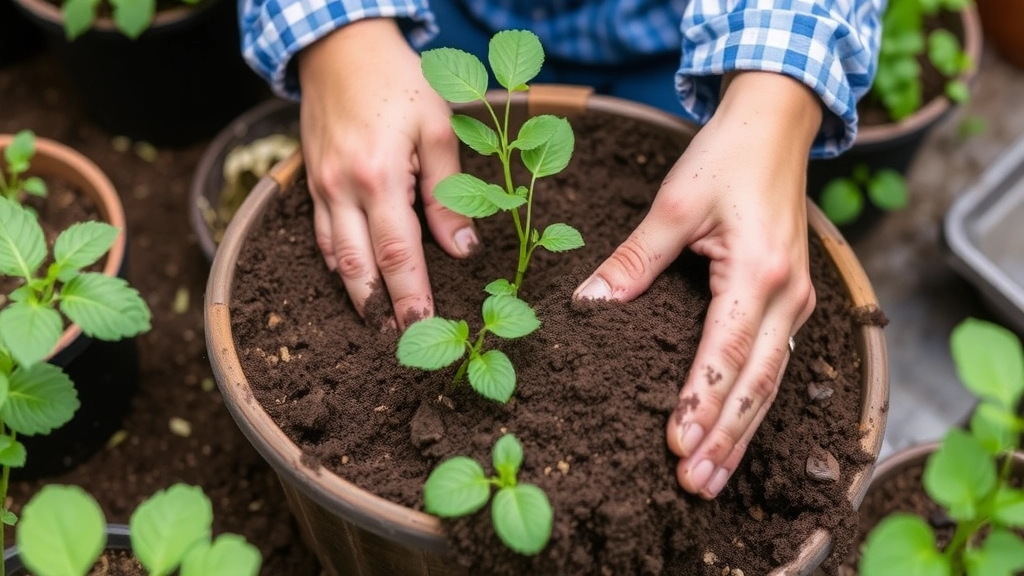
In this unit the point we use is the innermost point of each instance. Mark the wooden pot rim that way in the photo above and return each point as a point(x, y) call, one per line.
point(163, 18)
point(419, 529)
point(57, 160)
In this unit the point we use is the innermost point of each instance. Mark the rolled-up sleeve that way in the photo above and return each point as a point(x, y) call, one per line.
point(829, 45)
point(274, 31)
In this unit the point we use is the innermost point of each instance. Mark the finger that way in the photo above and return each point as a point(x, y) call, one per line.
point(323, 230)
point(439, 158)
point(352, 254)
point(398, 250)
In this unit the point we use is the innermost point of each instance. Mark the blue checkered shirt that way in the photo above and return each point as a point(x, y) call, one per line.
point(829, 45)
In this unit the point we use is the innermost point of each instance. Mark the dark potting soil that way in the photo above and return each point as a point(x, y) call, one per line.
point(597, 384)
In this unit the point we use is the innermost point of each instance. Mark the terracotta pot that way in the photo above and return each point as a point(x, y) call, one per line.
point(1003, 22)
point(105, 373)
point(179, 82)
point(117, 539)
point(354, 531)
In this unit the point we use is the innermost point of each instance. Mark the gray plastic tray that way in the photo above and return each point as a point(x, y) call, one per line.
point(984, 232)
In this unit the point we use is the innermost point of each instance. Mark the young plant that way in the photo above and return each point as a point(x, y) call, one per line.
point(520, 512)
point(17, 160)
point(842, 199)
point(63, 533)
point(131, 17)
point(898, 79)
point(969, 476)
point(37, 397)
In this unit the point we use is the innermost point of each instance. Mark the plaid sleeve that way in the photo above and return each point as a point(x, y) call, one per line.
point(829, 45)
point(273, 31)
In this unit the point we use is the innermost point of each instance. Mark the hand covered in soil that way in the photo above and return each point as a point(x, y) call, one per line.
point(736, 196)
point(371, 128)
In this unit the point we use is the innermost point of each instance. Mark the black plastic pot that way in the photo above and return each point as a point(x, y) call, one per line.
point(117, 539)
point(19, 39)
point(178, 83)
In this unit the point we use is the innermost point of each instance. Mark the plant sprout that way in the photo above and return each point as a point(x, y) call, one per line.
point(131, 17)
point(842, 199)
point(969, 475)
point(520, 512)
point(18, 158)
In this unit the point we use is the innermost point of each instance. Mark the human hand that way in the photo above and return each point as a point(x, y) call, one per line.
point(370, 126)
point(736, 196)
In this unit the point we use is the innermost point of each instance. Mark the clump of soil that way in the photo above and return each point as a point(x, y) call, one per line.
point(597, 384)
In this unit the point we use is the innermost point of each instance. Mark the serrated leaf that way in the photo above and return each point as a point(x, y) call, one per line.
point(105, 307)
point(456, 75)
point(475, 134)
point(167, 524)
point(12, 452)
point(500, 287)
point(433, 343)
point(467, 195)
point(503, 200)
point(34, 186)
point(132, 17)
point(82, 244)
point(522, 191)
point(841, 201)
point(902, 545)
point(888, 190)
point(78, 16)
point(39, 399)
point(522, 518)
point(20, 150)
point(492, 375)
point(62, 531)
point(554, 154)
point(516, 57)
point(509, 317)
point(507, 458)
point(22, 246)
point(29, 331)
point(560, 237)
point(959, 475)
point(536, 131)
point(1002, 554)
point(228, 555)
point(457, 487)
point(989, 360)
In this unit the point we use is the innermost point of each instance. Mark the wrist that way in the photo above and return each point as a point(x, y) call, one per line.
point(771, 104)
point(358, 41)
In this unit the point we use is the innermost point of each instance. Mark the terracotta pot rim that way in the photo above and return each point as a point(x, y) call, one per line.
point(375, 513)
point(91, 182)
point(50, 13)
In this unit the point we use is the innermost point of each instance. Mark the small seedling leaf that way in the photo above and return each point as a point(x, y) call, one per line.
point(957, 91)
point(522, 191)
point(554, 154)
point(993, 428)
point(841, 201)
point(9, 518)
point(507, 458)
point(22, 246)
point(503, 200)
point(433, 343)
point(536, 131)
point(62, 531)
point(132, 17)
point(944, 52)
point(902, 545)
point(12, 452)
point(560, 237)
point(492, 375)
point(167, 524)
point(457, 487)
point(1008, 509)
point(228, 555)
point(1002, 554)
point(888, 190)
point(959, 475)
point(34, 186)
point(475, 134)
point(500, 287)
point(456, 75)
point(989, 360)
point(30, 331)
point(78, 16)
point(465, 194)
point(20, 150)
point(509, 317)
point(81, 245)
point(105, 307)
point(40, 399)
point(522, 518)
point(515, 57)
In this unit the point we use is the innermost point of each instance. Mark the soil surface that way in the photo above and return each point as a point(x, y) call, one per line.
point(596, 385)
point(177, 428)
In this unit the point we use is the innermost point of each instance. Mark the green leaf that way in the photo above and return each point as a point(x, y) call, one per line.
point(12, 452)
point(78, 16)
point(522, 191)
point(536, 131)
point(5, 384)
point(560, 237)
point(522, 518)
point(491, 374)
point(959, 475)
point(957, 91)
point(554, 154)
point(132, 17)
point(993, 428)
point(62, 531)
point(167, 524)
point(475, 134)
point(1008, 509)
point(26, 291)
point(500, 287)
point(1002, 554)
point(509, 317)
point(888, 190)
point(40, 399)
point(105, 307)
point(34, 186)
point(515, 57)
point(9, 518)
point(467, 195)
point(457, 487)
point(456, 75)
point(81, 245)
point(228, 555)
point(841, 201)
point(902, 545)
point(433, 343)
point(503, 200)
point(989, 360)
point(507, 458)
point(30, 331)
point(22, 246)
point(944, 51)
point(20, 151)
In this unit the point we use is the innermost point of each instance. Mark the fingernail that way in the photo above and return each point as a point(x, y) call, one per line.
point(466, 240)
point(594, 289)
point(692, 434)
point(718, 482)
point(701, 473)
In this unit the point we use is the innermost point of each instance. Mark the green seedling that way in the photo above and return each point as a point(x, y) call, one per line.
point(842, 199)
point(520, 512)
point(63, 532)
point(17, 160)
point(37, 397)
point(969, 476)
point(898, 79)
point(131, 17)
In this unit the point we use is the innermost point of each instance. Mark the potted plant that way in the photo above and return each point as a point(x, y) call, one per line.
point(353, 529)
